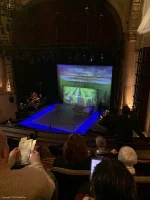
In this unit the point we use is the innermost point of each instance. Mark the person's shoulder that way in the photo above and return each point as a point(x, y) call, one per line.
point(28, 182)
point(28, 171)
point(33, 176)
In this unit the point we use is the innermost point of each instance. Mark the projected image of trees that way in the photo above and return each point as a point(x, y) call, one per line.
point(91, 77)
point(80, 96)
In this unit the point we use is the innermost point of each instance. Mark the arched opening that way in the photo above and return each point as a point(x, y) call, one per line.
point(58, 22)
point(53, 23)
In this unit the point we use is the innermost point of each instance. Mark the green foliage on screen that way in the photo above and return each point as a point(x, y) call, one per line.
point(102, 90)
point(80, 96)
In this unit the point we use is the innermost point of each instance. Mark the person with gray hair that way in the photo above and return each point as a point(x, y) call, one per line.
point(100, 143)
point(101, 148)
point(31, 182)
point(128, 157)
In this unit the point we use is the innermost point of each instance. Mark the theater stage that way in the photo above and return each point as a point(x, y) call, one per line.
point(60, 118)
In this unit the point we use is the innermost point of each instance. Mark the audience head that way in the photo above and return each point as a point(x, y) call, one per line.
point(4, 149)
point(100, 142)
point(126, 110)
point(111, 180)
point(128, 157)
point(75, 150)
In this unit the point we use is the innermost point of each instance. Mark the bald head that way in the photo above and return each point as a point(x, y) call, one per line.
point(3, 144)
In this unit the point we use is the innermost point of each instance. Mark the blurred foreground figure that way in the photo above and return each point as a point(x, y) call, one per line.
point(31, 182)
point(111, 180)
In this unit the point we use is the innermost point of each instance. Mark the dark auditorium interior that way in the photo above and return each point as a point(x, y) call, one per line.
point(77, 67)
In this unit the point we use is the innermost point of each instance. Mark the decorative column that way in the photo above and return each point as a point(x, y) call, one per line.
point(8, 105)
point(129, 68)
point(9, 76)
point(130, 49)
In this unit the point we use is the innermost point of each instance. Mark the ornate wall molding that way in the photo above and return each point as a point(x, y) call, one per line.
point(122, 7)
point(130, 13)
point(130, 35)
point(4, 35)
point(144, 26)
point(6, 66)
point(146, 6)
point(136, 14)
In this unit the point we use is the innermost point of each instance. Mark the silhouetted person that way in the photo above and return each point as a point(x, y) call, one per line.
point(123, 128)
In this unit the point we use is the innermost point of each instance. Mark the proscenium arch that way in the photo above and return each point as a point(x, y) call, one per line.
point(117, 14)
point(110, 5)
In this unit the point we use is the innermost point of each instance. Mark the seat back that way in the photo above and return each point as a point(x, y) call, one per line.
point(143, 185)
point(69, 181)
point(143, 168)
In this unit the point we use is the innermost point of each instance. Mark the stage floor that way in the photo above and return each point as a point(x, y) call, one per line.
point(61, 120)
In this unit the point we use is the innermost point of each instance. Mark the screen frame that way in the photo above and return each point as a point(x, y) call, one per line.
point(99, 65)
